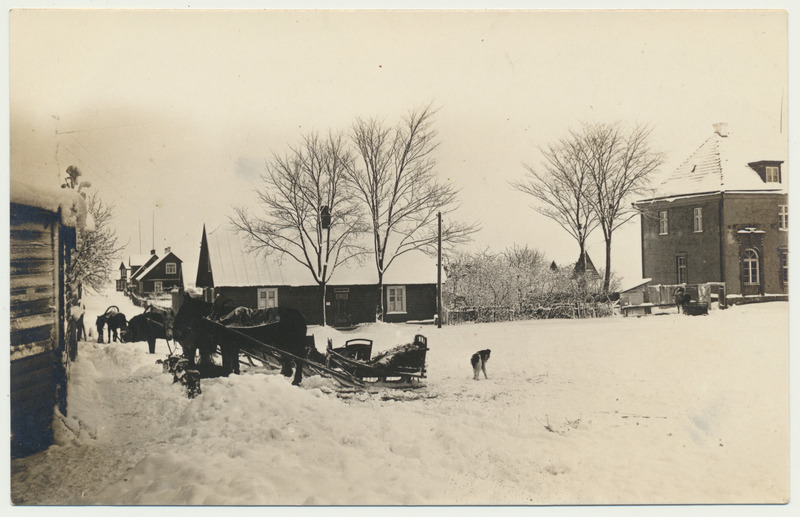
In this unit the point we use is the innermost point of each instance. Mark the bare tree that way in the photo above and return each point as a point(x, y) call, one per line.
point(619, 163)
point(308, 213)
point(395, 178)
point(561, 185)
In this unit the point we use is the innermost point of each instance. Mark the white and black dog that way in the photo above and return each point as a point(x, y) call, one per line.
point(478, 361)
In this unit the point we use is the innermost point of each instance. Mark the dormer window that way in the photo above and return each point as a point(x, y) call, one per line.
point(768, 170)
point(773, 175)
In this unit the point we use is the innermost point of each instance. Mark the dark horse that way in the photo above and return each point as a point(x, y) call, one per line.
point(115, 321)
point(152, 324)
point(282, 328)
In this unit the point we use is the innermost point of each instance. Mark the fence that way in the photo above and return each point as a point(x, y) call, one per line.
point(573, 310)
point(145, 301)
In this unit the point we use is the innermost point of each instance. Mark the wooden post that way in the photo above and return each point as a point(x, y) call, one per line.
point(439, 278)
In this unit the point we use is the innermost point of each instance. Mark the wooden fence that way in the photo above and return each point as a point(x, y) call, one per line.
point(574, 310)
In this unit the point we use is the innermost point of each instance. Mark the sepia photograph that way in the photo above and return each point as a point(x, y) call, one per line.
point(398, 257)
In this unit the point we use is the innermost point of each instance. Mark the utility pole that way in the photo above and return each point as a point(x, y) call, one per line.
point(439, 277)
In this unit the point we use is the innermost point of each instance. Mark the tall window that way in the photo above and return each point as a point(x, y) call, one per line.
point(172, 268)
point(158, 287)
point(785, 268)
point(680, 262)
point(267, 298)
point(698, 220)
point(396, 299)
point(663, 223)
point(773, 175)
point(750, 267)
point(783, 217)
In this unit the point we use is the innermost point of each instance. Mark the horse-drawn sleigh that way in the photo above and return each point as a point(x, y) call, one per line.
point(276, 338)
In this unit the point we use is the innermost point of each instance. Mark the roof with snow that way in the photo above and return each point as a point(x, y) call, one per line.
point(138, 260)
point(52, 199)
point(144, 271)
point(720, 164)
point(234, 265)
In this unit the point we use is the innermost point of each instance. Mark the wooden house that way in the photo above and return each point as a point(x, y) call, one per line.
point(43, 227)
point(227, 269)
point(158, 274)
point(721, 216)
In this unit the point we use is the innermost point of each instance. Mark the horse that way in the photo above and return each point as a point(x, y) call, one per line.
point(115, 321)
point(152, 324)
point(280, 327)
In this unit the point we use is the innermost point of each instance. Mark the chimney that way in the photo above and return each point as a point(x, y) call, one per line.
point(721, 128)
point(152, 252)
point(167, 250)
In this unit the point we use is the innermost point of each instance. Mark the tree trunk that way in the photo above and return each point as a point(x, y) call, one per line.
point(381, 309)
point(607, 276)
point(323, 287)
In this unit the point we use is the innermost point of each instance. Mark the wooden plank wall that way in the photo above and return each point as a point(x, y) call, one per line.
point(34, 307)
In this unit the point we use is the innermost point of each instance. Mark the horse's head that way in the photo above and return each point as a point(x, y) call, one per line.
point(101, 322)
point(191, 310)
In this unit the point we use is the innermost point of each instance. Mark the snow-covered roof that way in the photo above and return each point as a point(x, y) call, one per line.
point(232, 264)
point(720, 164)
point(634, 283)
point(138, 260)
point(144, 271)
point(144, 267)
point(52, 199)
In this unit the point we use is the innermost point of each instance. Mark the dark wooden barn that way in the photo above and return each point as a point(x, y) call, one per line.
point(226, 269)
point(42, 234)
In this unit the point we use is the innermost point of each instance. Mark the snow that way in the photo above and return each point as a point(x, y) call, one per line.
point(659, 409)
point(69, 201)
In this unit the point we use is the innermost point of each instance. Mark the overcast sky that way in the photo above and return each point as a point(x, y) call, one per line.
point(171, 114)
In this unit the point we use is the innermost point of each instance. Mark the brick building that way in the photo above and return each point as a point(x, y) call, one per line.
point(721, 216)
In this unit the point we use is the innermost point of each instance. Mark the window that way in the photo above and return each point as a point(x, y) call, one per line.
point(698, 220)
point(158, 287)
point(172, 268)
point(783, 217)
point(785, 268)
point(396, 299)
point(663, 223)
point(750, 267)
point(682, 275)
point(773, 175)
point(267, 297)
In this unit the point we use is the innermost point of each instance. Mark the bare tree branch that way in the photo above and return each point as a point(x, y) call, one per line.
point(297, 188)
point(395, 178)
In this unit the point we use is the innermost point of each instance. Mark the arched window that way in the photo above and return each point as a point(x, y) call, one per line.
point(750, 266)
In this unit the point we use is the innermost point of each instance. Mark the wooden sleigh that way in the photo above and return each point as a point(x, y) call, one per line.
point(400, 365)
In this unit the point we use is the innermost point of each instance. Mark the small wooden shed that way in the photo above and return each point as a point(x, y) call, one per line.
point(43, 225)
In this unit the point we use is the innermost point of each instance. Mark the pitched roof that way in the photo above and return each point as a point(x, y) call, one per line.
point(144, 271)
point(138, 260)
point(233, 265)
point(720, 164)
point(137, 272)
point(585, 266)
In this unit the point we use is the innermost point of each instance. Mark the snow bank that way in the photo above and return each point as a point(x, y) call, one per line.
point(661, 409)
point(69, 201)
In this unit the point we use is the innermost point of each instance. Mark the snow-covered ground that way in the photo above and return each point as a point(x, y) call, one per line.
point(658, 409)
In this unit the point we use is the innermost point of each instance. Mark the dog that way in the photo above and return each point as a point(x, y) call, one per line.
point(479, 360)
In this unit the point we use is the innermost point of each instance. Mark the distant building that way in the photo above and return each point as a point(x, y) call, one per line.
point(158, 274)
point(722, 216)
point(225, 268)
